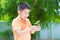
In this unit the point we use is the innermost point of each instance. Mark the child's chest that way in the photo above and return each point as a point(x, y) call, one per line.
point(25, 25)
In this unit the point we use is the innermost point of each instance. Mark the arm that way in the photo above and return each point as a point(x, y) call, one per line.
point(19, 32)
point(32, 31)
point(17, 29)
point(33, 28)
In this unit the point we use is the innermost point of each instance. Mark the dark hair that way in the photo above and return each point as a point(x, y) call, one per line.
point(23, 6)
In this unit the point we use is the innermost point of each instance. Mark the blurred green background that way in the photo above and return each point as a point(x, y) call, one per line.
point(43, 12)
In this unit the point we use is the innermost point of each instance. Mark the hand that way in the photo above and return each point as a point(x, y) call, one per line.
point(36, 28)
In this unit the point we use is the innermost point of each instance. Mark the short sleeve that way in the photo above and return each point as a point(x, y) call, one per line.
point(16, 26)
point(29, 23)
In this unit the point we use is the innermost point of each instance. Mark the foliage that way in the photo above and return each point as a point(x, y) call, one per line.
point(6, 35)
point(43, 10)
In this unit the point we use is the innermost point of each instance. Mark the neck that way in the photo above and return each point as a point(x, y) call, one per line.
point(22, 17)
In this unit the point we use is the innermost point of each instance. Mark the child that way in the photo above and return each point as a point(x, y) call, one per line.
point(21, 26)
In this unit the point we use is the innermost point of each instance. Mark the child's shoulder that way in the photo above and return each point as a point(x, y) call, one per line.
point(14, 20)
point(27, 19)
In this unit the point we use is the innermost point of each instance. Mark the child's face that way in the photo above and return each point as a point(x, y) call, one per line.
point(24, 13)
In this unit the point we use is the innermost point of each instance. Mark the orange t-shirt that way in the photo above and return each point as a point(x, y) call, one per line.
point(20, 24)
